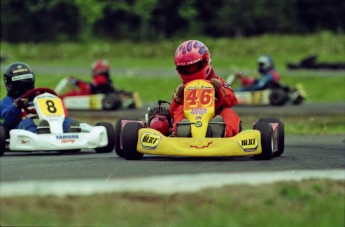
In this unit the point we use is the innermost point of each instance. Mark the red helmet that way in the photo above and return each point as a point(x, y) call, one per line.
point(193, 61)
point(161, 124)
point(100, 67)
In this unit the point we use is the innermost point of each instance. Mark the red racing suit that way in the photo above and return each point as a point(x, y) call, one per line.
point(100, 84)
point(225, 99)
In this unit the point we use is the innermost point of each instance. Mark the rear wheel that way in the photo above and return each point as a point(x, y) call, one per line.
point(281, 134)
point(111, 138)
point(278, 97)
point(111, 102)
point(267, 142)
point(3, 137)
point(130, 138)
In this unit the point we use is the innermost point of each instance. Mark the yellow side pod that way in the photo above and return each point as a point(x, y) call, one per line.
point(246, 143)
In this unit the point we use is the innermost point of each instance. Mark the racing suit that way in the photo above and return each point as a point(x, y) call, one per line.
point(225, 99)
point(100, 84)
point(268, 80)
point(13, 117)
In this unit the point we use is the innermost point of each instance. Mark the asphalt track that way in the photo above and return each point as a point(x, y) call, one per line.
point(307, 152)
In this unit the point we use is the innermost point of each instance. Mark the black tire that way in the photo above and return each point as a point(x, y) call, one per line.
point(130, 138)
point(118, 136)
point(111, 138)
point(278, 97)
point(111, 102)
point(266, 132)
point(281, 134)
point(72, 151)
point(3, 136)
point(118, 130)
point(297, 101)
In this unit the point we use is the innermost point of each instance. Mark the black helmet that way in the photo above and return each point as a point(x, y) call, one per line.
point(19, 78)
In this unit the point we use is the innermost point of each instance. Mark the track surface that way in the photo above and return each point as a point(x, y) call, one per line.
point(301, 153)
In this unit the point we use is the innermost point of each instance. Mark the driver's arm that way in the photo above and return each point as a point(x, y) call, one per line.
point(10, 114)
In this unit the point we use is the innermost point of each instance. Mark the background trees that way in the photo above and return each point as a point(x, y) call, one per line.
point(142, 20)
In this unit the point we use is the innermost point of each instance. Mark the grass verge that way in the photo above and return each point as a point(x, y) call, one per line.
point(306, 203)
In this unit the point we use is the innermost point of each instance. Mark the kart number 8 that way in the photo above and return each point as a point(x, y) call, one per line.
point(51, 106)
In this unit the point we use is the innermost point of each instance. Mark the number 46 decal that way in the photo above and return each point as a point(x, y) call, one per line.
point(199, 98)
point(51, 106)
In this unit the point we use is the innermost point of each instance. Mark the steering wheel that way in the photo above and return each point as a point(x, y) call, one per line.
point(33, 93)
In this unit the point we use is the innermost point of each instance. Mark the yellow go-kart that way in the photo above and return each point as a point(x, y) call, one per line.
point(135, 138)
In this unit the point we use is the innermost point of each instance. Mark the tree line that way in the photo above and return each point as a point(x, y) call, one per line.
point(145, 20)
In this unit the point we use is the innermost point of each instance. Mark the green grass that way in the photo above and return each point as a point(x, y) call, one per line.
point(228, 56)
point(327, 88)
point(306, 203)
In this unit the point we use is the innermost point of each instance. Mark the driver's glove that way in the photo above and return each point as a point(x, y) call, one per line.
point(178, 95)
point(216, 83)
point(20, 102)
point(73, 80)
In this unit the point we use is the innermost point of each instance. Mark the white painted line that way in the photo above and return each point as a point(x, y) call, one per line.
point(160, 184)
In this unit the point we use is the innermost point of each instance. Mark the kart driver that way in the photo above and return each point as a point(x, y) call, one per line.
point(101, 82)
point(270, 78)
point(193, 61)
point(19, 79)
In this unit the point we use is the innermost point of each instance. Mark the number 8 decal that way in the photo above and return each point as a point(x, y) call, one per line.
point(51, 106)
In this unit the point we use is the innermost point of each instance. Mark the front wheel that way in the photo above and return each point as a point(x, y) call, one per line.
point(130, 138)
point(111, 138)
point(3, 137)
point(267, 140)
point(280, 136)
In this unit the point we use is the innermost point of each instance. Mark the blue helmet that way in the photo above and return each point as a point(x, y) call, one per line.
point(265, 64)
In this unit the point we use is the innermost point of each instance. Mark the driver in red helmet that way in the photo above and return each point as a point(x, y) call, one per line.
point(193, 61)
point(101, 82)
point(19, 79)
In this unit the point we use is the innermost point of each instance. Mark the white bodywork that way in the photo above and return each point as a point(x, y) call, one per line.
point(23, 140)
point(84, 102)
point(49, 107)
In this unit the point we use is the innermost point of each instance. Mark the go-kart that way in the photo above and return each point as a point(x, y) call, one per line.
point(48, 107)
point(155, 135)
point(276, 96)
point(109, 101)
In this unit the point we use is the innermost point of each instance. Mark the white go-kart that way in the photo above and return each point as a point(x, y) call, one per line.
point(48, 106)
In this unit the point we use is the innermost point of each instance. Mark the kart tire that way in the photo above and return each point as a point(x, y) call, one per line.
point(278, 97)
point(3, 136)
point(118, 130)
point(266, 132)
point(118, 136)
point(297, 101)
point(281, 134)
point(111, 102)
point(111, 138)
point(130, 138)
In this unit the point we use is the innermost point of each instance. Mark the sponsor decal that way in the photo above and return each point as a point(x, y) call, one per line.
point(198, 124)
point(150, 140)
point(206, 87)
point(202, 146)
point(196, 111)
point(22, 77)
point(23, 141)
point(67, 138)
point(249, 145)
point(227, 85)
point(189, 63)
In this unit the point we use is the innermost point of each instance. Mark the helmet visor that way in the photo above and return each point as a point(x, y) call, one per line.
point(192, 68)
